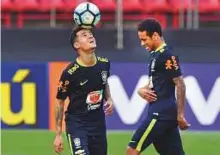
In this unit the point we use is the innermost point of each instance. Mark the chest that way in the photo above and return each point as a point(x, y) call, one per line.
point(156, 65)
point(90, 79)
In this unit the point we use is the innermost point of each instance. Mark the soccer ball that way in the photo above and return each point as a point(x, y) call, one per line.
point(86, 15)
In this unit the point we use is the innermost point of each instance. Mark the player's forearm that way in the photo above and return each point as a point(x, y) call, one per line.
point(59, 115)
point(146, 86)
point(107, 93)
point(180, 93)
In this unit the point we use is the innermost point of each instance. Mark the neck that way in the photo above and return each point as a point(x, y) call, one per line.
point(159, 44)
point(87, 59)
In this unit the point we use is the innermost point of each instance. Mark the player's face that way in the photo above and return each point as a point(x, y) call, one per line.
point(146, 41)
point(85, 41)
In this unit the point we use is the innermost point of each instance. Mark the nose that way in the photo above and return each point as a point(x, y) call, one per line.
point(91, 36)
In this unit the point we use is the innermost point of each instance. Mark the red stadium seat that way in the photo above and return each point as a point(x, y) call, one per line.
point(66, 9)
point(107, 9)
point(26, 5)
point(208, 10)
point(205, 6)
point(69, 5)
point(155, 6)
point(47, 5)
point(6, 7)
point(39, 9)
point(60, 5)
point(209, 6)
point(132, 6)
point(105, 5)
point(157, 9)
point(177, 5)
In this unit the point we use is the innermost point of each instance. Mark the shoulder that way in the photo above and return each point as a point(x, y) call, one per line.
point(102, 59)
point(104, 62)
point(167, 53)
point(71, 69)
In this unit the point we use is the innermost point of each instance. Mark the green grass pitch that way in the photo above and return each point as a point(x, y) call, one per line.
point(40, 142)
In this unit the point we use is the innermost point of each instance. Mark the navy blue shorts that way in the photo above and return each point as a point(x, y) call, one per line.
point(163, 134)
point(84, 144)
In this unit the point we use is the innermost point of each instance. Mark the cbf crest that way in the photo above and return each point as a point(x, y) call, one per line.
point(77, 142)
point(153, 65)
point(104, 75)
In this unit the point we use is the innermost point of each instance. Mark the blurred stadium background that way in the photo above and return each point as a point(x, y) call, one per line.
point(35, 48)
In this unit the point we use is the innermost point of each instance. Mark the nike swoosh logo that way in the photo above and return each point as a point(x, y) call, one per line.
point(82, 83)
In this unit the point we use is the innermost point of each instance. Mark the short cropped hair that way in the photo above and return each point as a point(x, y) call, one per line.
point(150, 26)
point(73, 33)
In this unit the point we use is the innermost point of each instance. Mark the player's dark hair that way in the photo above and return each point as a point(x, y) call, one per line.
point(150, 26)
point(73, 33)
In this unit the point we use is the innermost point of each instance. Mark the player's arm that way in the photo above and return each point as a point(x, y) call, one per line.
point(146, 86)
point(180, 94)
point(108, 97)
point(107, 92)
point(173, 71)
point(59, 115)
point(62, 94)
point(58, 142)
point(109, 101)
point(147, 93)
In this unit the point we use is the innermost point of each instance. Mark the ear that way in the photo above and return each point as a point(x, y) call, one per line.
point(76, 45)
point(155, 36)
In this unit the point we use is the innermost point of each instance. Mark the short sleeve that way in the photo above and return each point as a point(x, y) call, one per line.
point(63, 86)
point(172, 67)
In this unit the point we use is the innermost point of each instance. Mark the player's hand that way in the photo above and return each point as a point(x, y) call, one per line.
point(182, 123)
point(58, 144)
point(108, 107)
point(147, 94)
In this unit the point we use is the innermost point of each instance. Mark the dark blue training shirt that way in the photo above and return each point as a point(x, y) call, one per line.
point(163, 67)
point(85, 88)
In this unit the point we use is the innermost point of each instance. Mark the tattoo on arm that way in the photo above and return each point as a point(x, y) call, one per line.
point(107, 92)
point(59, 115)
point(180, 93)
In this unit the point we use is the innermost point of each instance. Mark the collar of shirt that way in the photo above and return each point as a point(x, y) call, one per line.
point(153, 53)
point(161, 47)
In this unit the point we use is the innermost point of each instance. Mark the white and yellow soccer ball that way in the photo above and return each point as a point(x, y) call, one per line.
point(86, 15)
